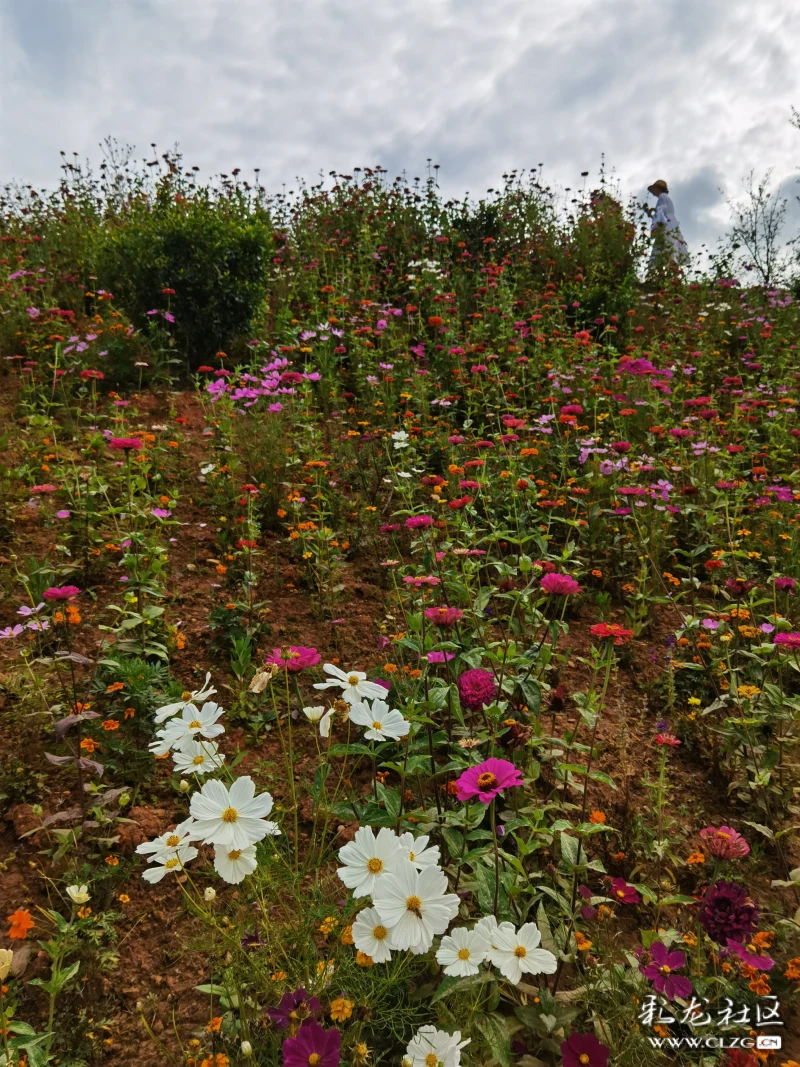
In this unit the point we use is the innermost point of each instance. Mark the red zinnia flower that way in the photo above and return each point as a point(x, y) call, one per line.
point(611, 629)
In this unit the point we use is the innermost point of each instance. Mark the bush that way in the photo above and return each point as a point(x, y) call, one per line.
point(211, 250)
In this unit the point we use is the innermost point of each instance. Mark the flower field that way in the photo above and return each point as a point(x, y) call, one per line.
point(399, 648)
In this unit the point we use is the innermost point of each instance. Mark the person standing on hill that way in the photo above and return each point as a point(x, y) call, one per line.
point(668, 243)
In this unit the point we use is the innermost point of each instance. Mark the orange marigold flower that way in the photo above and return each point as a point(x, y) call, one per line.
point(214, 1025)
point(88, 744)
point(84, 912)
point(112, 861)
point(115, 687)
point(347, 935)
point(792, 971)
point(130, 713)
point(696, 857)
point(363, 960)
point(341, 1009)
point(21, 922)
point(597, 817)
point(110, 724)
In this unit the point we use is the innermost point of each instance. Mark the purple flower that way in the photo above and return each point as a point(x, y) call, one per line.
point(439, 657)
point(749, 955)
point(294, 1008)
point(63, 514)
point(584, 1050)
point(727, 912)
point(313, 1045)
point(160, 513)
point(476, 687)
point(786, 585)
point(11, 631)
point(660, 972)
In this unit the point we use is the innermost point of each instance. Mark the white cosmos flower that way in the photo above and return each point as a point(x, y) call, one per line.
point(181, 731)
point(415, 906)
point(369, 859)
point(170, 865)
point(371, 936)
point(518, 953)
point(462, 951)
point(418, 852)
point(381, 722)
point(430, 1047)
point(198, 757)
point(165, 846)
point(317, 714)
point(78, 894)
point(186, 698)
point(400, 438)
point(354, 684)
point(233, 865)
point(231, 818)
point(489, 926)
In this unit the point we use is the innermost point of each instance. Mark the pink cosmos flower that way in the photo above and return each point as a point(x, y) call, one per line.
point(561, 584)
point(750, 955)
point(622, 892)
point(439, 657)
point(661, 972)
point(295, 658)
point(724, 843)
point(61, 592)
point(487, 780)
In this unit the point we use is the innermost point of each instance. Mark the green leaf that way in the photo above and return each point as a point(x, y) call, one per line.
point(495, 1030)
point(454, 985)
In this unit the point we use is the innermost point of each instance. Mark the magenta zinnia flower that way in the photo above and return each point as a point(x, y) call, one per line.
point(487, 780)
point(312, 1045)
point(724, 843)
point(295, 658)
point(727, 912)
point(562, 584)
point(786, 585)
point(476, 687)
point(444, 616)
point(125, 444)
point(792, 640)
point(661, 972)
point(622, 892)
point(61, 592)
point(416, 522)
point(584, 1050)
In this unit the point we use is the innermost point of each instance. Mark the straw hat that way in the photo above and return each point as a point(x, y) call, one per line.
point(658, 187)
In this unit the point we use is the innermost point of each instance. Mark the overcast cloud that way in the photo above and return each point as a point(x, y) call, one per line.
point(695, 91)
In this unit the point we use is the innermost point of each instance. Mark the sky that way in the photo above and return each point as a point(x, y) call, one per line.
point(697, 92)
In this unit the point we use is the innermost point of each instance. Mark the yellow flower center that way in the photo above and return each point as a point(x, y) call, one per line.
point(666, 970)
point(464, 953)
point(234, 854)
point(198, 760)
point(584, 1058)
point(314, 1059)
point(411, 855)
point(377, 725)
point(487, 780)
point(520, 952)
point(374, 866)
point(171, 864)
point(414, 904)
point(353, 679)
point(230, 815)
point(379, 933)
point(186, 696)
point(431, 1060)
point(172, 840)
point(195, 724)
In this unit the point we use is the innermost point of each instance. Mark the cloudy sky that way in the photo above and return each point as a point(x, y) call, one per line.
point(695, 91)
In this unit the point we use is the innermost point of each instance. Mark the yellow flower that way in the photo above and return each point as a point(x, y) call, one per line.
point(341, 1009)
point(694, 700)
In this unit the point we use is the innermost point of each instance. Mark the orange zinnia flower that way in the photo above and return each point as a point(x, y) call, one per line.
point(21, 923)
point(597, 817)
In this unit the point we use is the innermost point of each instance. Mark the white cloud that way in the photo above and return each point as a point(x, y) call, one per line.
point(695, 92)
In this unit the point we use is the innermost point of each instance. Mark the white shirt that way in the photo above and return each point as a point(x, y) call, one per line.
point(665, 214)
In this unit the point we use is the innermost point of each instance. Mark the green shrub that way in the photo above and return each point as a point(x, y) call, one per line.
point(211, 250)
